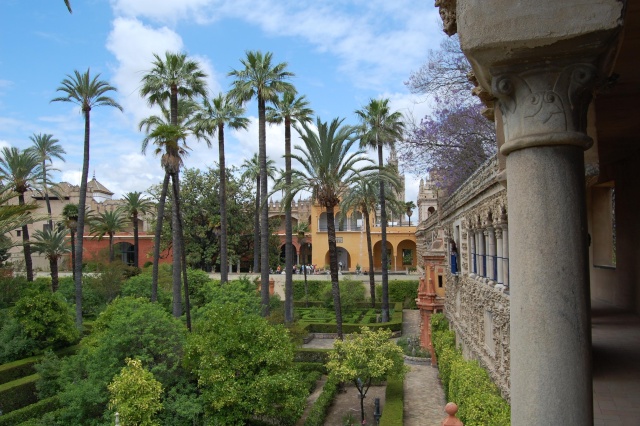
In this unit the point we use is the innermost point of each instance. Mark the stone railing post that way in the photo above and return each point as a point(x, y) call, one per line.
point(451, 409)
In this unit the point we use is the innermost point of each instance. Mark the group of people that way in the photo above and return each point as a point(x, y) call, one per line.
point(299, 269)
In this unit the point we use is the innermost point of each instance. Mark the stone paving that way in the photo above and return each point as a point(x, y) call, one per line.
point(423, 395)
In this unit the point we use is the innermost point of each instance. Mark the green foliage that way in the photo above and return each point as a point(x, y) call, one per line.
point(351, 292)
point(393, 415)
point(244, 367)
point(92, 302)
point(198, 280)
point(135, 394)
point(14, 343)
point(140, 286)
point(241, 292)
point(409, 350)
point(306, 367)
point(405, 291)
point(27, 366)
point(318, 412)
point(128, 328)
point(314, 355)
point(315, 289)
point(32, 411)
point(48, 369)
point(18, 393)
point(11, 289)
point(46, 319)
point(466, 382)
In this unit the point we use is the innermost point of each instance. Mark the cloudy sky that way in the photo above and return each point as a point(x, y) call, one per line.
point(343, 52)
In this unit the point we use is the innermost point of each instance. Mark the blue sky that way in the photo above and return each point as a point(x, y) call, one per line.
point(343, 53)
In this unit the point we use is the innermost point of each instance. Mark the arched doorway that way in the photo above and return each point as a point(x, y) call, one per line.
point(377, 256)
point(343, 256)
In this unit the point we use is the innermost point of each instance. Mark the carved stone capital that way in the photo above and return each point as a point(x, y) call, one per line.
point(448, 15)
point(545, 105)
point(498, 233)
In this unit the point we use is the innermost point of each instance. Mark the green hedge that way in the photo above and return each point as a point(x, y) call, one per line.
point(307, 367)
point(392, 412)
point(466, 383)
point(308, 355)
point(395, 324)
point(25, 367)
point(405, 291)
point(18, 393)
point(318, 412)
point(36, 410)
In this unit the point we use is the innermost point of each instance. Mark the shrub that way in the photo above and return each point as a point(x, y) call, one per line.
point(33, 411)
point(11, 289)
point(14, 343)
point(307, 367)
point(315, 289)
point(318, 412)
point(392, 414)
point(314, 355)
point(466, 382)
point(92, 302)
point(351, 292)
point(405, 291)
point(198, 279)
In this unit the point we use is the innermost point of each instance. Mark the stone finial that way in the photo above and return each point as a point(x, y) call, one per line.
point(451, 409)
point(448, 16)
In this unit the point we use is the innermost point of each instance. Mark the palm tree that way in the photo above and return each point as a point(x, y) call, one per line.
point(301, 229)
point(380, 127)
point(70, 221)
point(87, 93)
point(20, 170)
point(252, 171)
point(327, 169)
point(288, 110)
point(12, 216)
point(45, 147)
point(209, 121)
point(108, 223)
point(170, 79)
point(264, 81)
point(409, 206)
point(66, 2)
point(53, 244)
point(134, 206)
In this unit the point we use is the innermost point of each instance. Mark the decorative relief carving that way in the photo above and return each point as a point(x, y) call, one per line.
point(448, 15)
point(545, 105)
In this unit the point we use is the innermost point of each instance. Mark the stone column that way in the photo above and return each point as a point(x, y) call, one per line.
point(491, 247)
point(505, 254)
point(544, 108)
point(499, 278)
point(482, 263)
point(472, 254)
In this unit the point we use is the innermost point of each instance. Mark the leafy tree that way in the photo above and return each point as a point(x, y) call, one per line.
point(136, 394)
point(264, 81)
point(52, 243)
point(135, 205)
point(45, 147)
point(245, 368)
point(363, 196)
point(172, 78)
point(252, 171)
point(366, 357)
point(108, 223)
point(20, 170)
point(327, 169)
point(454, 139)
point(214, 115)
point(87, 93)
point(380, 127)
point(288, 110)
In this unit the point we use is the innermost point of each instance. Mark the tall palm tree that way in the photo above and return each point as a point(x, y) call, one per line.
point(327, 169)
point(20, 170)
point(380, 127)
point(252, 171)
point(12, 216)
point(70, 221)
point(186, 110)
point(108, 223)
point(409, 206)
point(53, 244)
point(288, 110)
point(301, 229)
point(261, 80)
point(135, 205)
point(87, 93)
point(45, 147)
point(172, 78)
point(222, 110)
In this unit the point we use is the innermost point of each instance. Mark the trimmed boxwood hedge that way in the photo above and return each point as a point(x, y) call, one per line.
point(465, 382)
point(392, 412)
point(318, 412)
point(25, 367)
point(311, 355)
point(395, 324)
point(18, 393)
point(36, 410)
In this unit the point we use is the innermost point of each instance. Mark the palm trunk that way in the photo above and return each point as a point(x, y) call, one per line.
point(110, 248)
point(135, 240)
point(183, 255)
point(73, 253)
point(46, 194)
point(53, 265)
point(157, 237)
point(256, 229)
point(288, 230)
point(82, 203)
point(372, 278)
point(177, 256)
point(224, 272)
point(306, 288)
point(264, 212)
point(28, 263)
point(385, 261)
point(333, 266)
